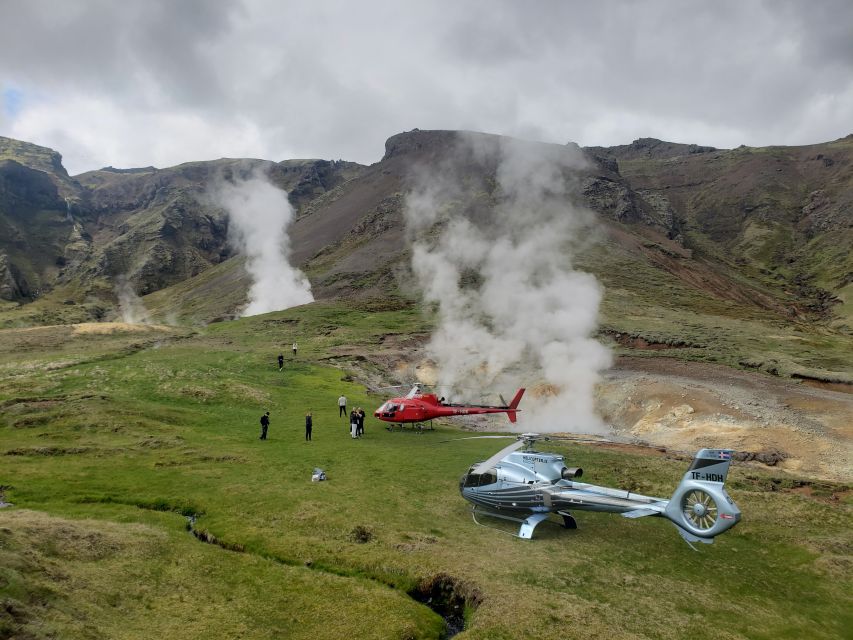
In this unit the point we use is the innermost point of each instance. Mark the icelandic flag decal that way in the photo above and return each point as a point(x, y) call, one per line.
point(724, 455)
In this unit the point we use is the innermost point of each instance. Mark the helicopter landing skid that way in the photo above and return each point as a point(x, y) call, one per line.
point(417, 427)
point(569, 521)
point(528, 524)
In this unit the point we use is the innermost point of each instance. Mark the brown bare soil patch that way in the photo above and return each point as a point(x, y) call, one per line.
point(684, 406)
point(105, 328)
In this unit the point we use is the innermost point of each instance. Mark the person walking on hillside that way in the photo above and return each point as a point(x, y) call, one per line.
point(342, 406)
point(309, 423)
point(361, 414)
point(265, 424)
point(280, 361)
point(353, 424)
point(294, 349)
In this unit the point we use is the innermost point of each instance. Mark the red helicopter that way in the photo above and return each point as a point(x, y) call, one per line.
point(418, 407)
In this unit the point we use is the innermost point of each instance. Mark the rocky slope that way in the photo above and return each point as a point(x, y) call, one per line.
point(67, 241)
point(703, 251)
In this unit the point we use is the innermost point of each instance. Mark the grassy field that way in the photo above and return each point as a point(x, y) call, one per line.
point(113, 444)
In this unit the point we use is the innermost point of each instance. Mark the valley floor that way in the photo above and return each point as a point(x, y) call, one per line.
point(112, 444)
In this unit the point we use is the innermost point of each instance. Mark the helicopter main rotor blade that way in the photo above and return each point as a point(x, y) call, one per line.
point(491, 462)
point(478, 438)
point(393, 386)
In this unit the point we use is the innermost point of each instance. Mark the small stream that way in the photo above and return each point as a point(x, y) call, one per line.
point(444, 594)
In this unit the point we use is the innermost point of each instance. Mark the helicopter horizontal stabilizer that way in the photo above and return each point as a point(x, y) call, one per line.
point(639, 513)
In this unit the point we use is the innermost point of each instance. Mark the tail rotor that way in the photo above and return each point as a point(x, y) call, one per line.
point(700, 508)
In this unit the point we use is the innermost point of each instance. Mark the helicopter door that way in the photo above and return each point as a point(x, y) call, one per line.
point(418, 412)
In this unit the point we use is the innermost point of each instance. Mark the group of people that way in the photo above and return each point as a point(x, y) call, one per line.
point(356, 417)
point(309, 425)
point(281, 357)
point(356, 422)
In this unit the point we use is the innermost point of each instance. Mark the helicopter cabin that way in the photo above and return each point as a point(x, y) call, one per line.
point(523, 467)
point(387, 410)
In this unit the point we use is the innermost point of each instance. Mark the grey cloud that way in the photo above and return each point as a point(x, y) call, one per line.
point(334, 79)
point(112, 47)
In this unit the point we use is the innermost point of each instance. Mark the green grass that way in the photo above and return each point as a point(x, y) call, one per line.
point(644, 301)
point(106, 452)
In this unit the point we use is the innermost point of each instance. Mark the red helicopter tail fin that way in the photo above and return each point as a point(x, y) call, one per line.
point(513, 406)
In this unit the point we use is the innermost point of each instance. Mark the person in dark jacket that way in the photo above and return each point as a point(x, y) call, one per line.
point(265, 424)
point(280, 361)
point(309, 424)
point(361, 415)
point(353, 423)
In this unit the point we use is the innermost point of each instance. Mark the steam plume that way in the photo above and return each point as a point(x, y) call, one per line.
point(260, 215)
point(493, 236)
point(130, 305)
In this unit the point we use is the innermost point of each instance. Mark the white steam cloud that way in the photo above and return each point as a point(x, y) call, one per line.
point(130, 306)
point(260, 215)
point(494, 232)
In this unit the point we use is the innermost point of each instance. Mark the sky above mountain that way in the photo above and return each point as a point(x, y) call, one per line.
point(142, 82)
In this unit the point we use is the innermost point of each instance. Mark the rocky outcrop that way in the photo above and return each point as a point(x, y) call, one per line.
point(610, 197)
point(650, 148)
point(24, 190)
point(12, 284)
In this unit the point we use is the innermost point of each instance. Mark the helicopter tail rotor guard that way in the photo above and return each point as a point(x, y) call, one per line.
point(700, 507)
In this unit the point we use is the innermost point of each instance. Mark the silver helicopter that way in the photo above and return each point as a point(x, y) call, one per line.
point(527, 486)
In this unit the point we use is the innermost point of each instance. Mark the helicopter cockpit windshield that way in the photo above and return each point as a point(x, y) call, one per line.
point(388, 410)
point(479, 479)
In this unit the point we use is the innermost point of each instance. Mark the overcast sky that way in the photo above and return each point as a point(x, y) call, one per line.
point(141, 82)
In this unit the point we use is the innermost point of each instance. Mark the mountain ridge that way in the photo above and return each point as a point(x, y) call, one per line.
point(758, 234)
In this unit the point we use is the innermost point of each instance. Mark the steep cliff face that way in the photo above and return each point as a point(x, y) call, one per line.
point(151, 228)
point(34, 230)
point(42, 159)
point(160, 227)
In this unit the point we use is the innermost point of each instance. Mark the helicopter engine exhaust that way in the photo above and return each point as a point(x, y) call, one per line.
point(571, 472)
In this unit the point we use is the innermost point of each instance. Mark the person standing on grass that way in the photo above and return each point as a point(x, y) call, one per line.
point(309, 423)
point(361, 415)
point(265, 424)
point(353, 424)
point(294, 349)
point(342, 406)
point(280, 361)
